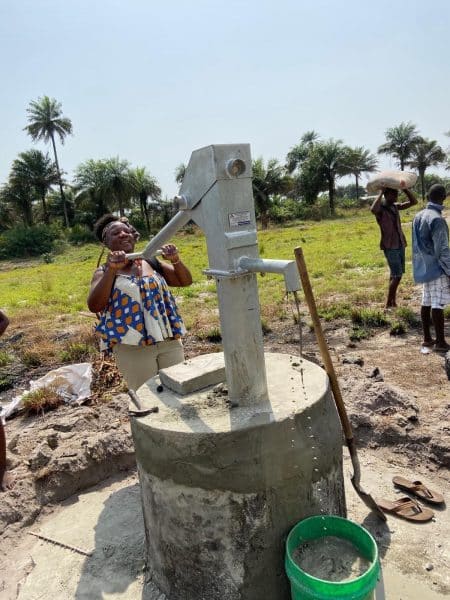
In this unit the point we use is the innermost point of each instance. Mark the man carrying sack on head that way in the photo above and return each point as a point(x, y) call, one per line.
point(393, 242)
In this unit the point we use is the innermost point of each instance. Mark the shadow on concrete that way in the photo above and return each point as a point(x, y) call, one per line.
point(380, 531)
point(118, 558)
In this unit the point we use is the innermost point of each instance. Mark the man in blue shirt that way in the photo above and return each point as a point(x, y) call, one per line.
point(431, 266)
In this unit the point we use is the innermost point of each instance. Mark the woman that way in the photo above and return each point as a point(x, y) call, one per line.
point(139, 320)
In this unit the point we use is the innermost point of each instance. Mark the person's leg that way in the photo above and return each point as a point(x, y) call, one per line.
point(440, 297)
point(437, 316)
point(425, 315)
point(391, 301)
point(170, 352)
point(396, 260)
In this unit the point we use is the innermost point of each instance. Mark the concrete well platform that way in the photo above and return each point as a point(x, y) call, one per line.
point(222, 485)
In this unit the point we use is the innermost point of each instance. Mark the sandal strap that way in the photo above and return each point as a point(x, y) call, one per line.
point(418, 486)
point(406, 503)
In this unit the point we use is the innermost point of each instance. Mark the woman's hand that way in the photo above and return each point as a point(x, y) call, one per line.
point(116, 260)
point(170, 252)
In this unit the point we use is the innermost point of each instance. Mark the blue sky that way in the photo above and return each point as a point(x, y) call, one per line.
point(151, 81)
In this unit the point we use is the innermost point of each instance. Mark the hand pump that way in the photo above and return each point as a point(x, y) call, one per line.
point(217, 195)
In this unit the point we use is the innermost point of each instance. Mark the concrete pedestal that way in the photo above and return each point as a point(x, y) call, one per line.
point(222, 485)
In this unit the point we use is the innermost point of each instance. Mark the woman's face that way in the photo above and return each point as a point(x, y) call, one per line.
point(119, 237)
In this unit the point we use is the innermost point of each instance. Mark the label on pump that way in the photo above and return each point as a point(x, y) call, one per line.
point(239, 219)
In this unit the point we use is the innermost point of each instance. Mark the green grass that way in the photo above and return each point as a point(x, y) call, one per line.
point(398, 328)
point(5, 358)
point(42, 399)
point(407, 315)
point(347, 269)
point(359, 333)
point(369, 317)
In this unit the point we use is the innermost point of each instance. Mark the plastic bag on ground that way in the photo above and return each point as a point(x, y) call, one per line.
point(72, 382)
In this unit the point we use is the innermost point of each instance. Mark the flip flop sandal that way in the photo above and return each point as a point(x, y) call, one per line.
point(406, 509)
point(418, 489)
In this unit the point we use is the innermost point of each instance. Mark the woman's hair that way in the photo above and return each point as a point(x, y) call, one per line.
point(102, 225)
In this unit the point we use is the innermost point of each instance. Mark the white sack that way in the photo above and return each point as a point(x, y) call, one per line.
point(72, 382)
point(397, 180)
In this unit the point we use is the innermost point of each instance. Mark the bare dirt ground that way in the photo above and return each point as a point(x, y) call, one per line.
point(399, 403)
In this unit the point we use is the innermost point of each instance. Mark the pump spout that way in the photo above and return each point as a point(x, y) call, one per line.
point(287, 268)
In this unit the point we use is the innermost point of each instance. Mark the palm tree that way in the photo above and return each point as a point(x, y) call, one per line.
point(45, 121)
point(105, 184)
point(19, 196)
point(6, 214)
point(400, 142)
point(426, 153)
point(299, 153)
point(119, 181)
point(447, 165)
point(329, 160)
point(266, 182)
point(35, 169)
point(56, 210)
point(180, 172)
point(144, 185)
point(91, 188)
point(359, 160)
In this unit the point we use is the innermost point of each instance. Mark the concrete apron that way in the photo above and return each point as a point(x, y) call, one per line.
point(222, 486)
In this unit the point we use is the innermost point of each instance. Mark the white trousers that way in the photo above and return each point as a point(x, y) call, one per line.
point(139, 363)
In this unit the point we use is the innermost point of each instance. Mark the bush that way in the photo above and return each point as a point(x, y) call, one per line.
point(284, 210)
point(138, 221)
point(31, 359)
point(5, 358)
point(315, 212)
point(213, 335)
point(22, 242)
point(81, 234)
point(368, 317)
point(45, 398)
point(397, 328)
point(347, 203)
point(77, 352)
point(265, 327)
point(159, 214)
point(359, 333)
point(408, 316)
point(335, 311)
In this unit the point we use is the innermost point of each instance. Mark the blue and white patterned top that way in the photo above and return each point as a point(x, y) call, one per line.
point(140, 312)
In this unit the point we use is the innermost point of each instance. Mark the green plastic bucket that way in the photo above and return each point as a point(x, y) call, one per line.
point(307, 587)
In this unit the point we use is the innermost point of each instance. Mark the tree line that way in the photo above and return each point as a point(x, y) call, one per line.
point(36, 191)
point(29, 196)
point(315, 165)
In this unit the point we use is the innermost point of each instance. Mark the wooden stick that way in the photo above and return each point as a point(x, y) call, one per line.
point(329, 368)
point(62, 544)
